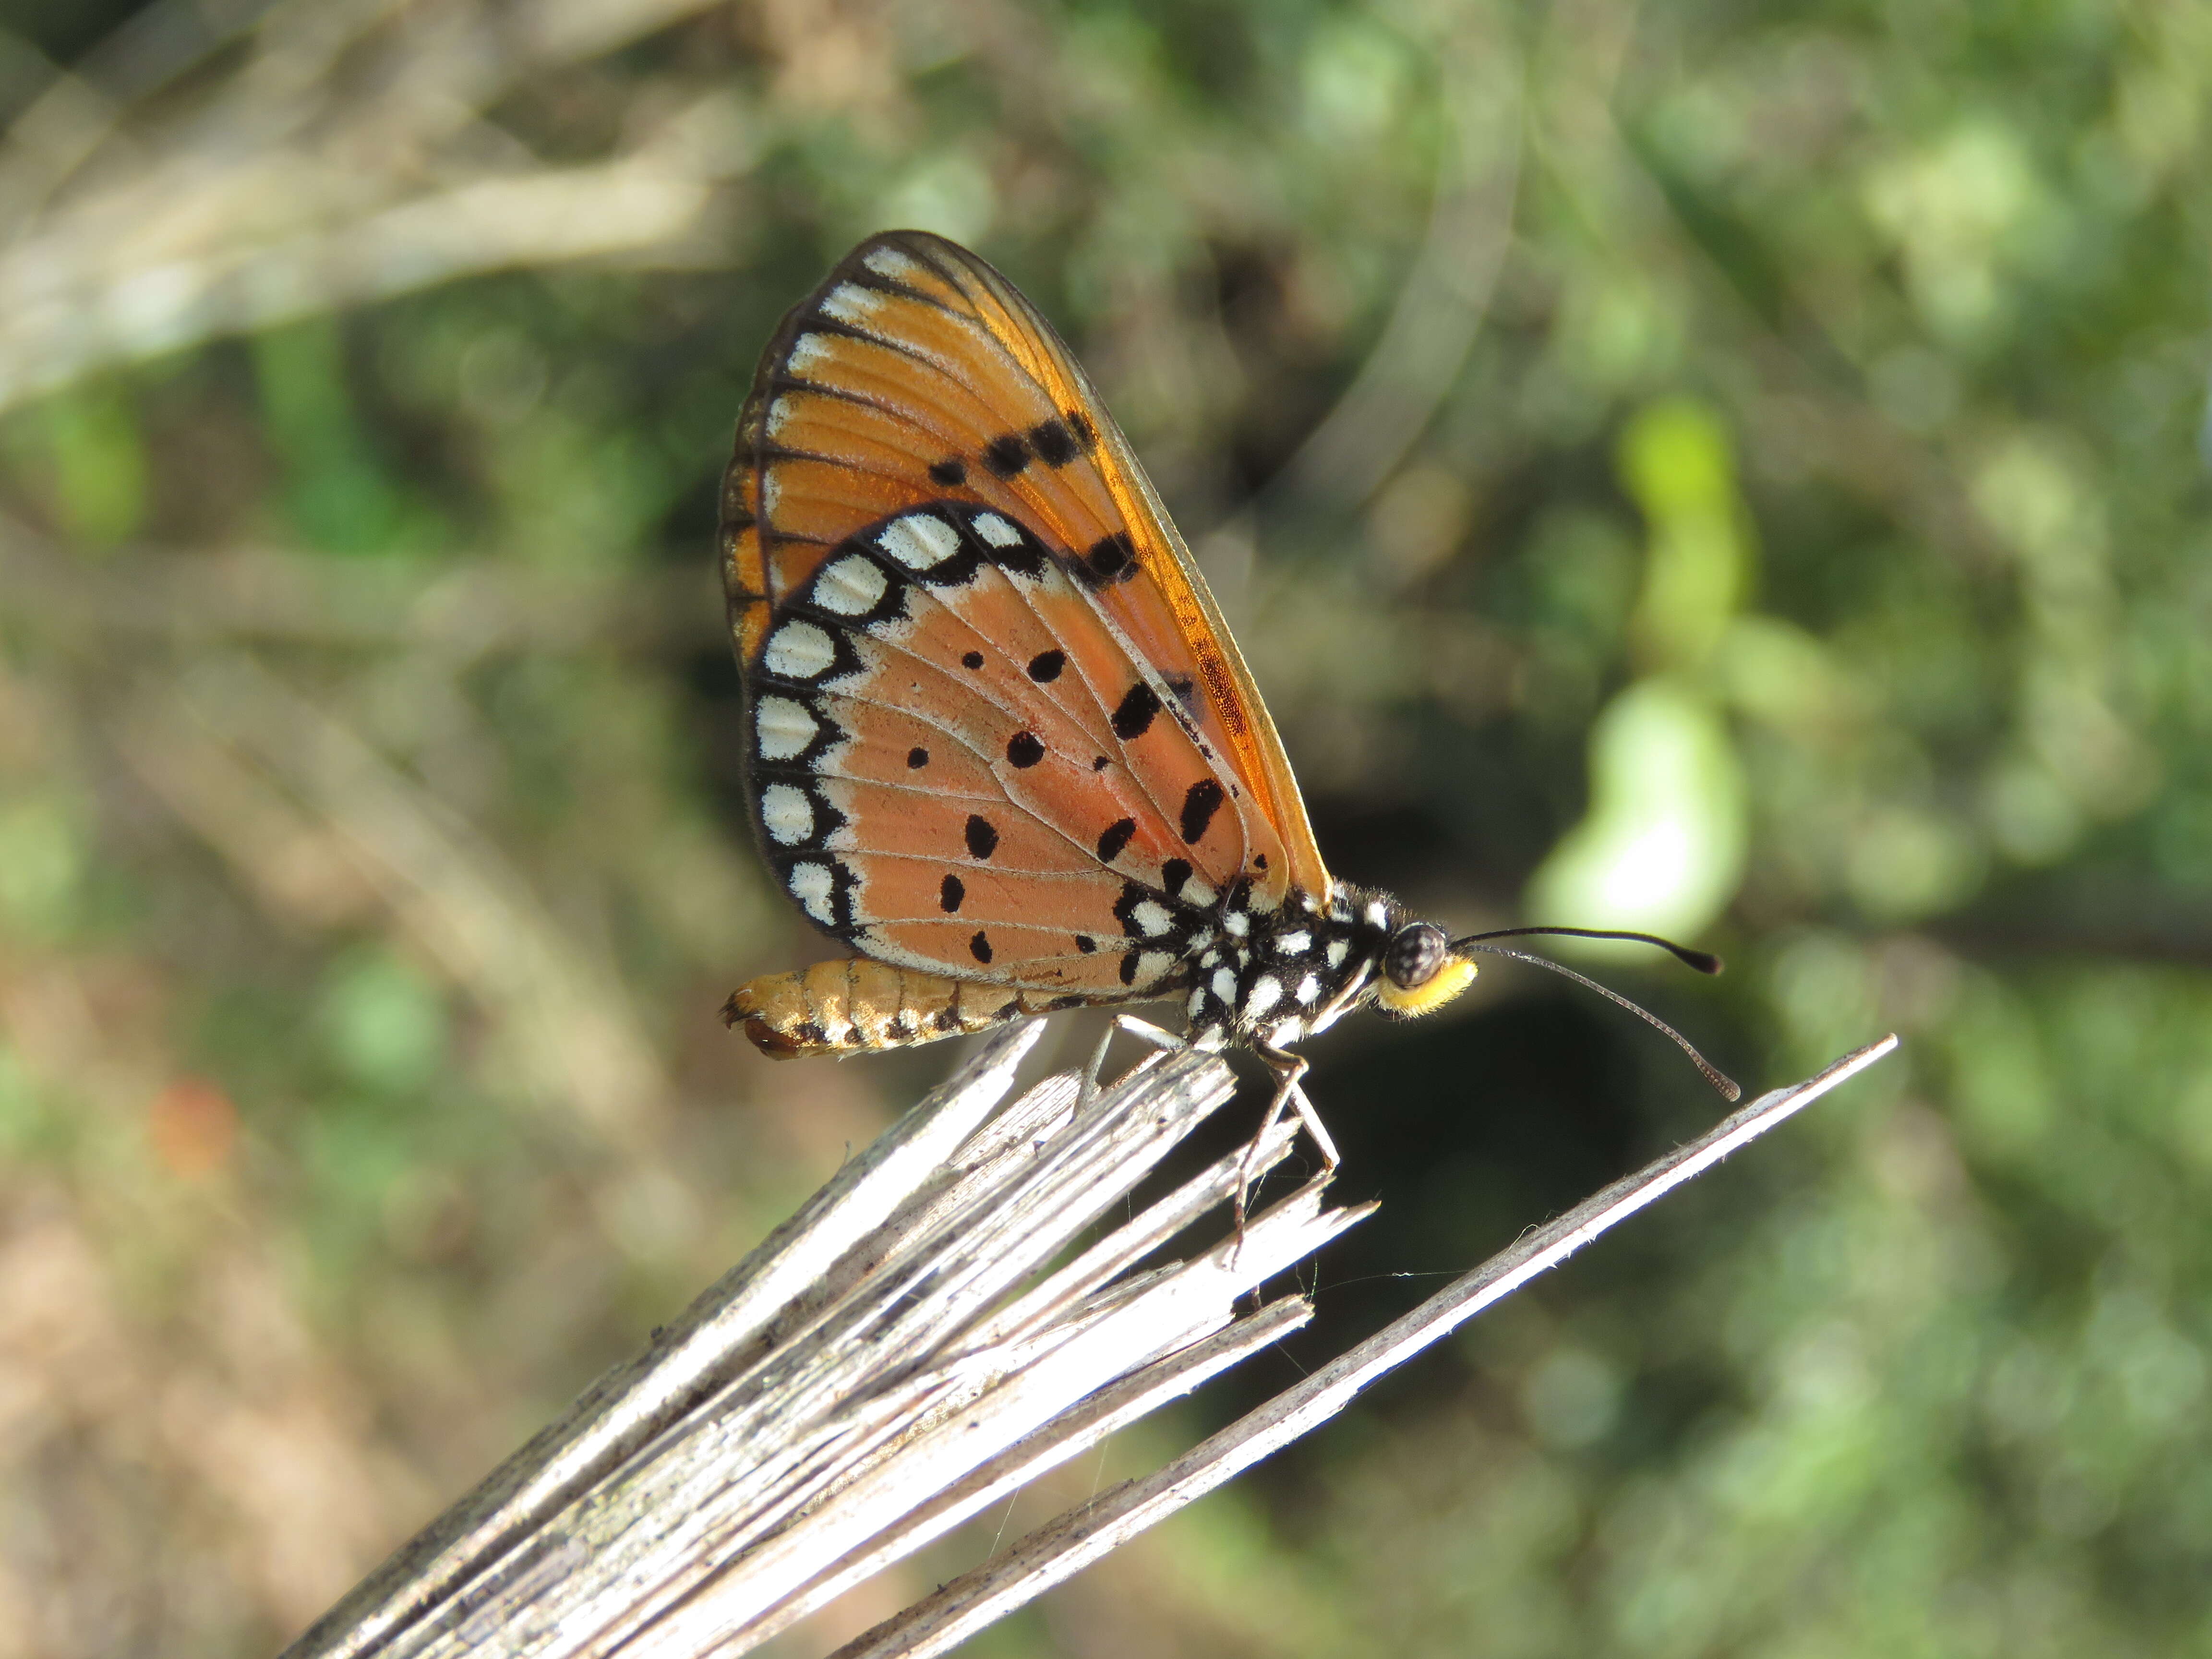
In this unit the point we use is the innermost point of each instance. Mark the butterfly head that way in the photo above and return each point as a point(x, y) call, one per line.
point(1278, 976)
point(1419, 971)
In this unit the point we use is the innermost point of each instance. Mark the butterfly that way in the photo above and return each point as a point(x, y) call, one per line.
point(999, 742)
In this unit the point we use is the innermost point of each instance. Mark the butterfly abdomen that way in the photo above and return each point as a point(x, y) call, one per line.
point(857, 1005)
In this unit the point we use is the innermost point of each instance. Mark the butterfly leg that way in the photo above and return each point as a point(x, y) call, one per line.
point(1288, 1069)
point(1141, 1028)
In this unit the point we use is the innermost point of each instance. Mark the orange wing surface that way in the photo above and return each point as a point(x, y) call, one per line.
point(996, 729)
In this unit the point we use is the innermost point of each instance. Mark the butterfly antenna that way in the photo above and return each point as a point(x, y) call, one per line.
point(1729, 1090)
point(1703, 961)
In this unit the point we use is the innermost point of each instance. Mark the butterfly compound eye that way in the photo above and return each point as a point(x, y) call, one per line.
point(1414, 954)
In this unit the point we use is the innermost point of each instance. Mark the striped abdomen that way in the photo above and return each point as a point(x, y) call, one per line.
point(841, 1007)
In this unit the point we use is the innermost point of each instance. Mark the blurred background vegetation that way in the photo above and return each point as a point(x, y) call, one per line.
point(1739, 468)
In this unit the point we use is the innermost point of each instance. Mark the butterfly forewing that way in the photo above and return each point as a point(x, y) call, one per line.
point(995, 728)
point(916, 372)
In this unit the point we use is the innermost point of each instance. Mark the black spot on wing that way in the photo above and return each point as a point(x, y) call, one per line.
point(1007, 455)
point(1174, 873)
point(971, 660)
point(980, 946)
point(1198, 807)
point(916, 758)
point(1055, 444)
point(1024, 750)
point(1079, 424)
point(1086, 943)
point(1115, 838)
point(1133, 717)
point(1128, 967)
point(952, 472)
point(1111, 559)
point(1045, 666)
point(951, 893)
point(983, 840)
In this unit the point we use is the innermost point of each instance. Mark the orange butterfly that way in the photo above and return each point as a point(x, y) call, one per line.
point(998, 740)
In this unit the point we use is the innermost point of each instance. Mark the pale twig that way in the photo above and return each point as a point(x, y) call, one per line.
point(900, 1357)
point(348, 156)
point(1064, 1546)
point(451, 612)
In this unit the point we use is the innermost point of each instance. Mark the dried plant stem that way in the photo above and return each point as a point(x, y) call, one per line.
point(930, 1333)
point(1064, 1546)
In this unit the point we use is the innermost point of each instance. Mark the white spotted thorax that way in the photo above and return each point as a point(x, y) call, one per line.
point(1274, 978)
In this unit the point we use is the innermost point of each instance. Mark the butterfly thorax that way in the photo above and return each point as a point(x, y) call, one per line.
point(1274, 977)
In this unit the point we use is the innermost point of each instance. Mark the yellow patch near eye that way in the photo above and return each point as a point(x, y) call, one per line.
point(1447, 982)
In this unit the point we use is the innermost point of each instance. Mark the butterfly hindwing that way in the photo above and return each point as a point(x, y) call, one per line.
point(955, 767)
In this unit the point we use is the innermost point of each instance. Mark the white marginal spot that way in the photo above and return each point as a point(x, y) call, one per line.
point(919, 542)
point(783, 727)
point(996, 530)
point(1294, 943)
point(778, 412)
point(1196, 890)
point(1152, 917)
point(1196, 1005)
point(812, 884)
point(798, 651)
point(1377, 915)
point(1266, 991)
point(848, 302)
point(1199, 940)
point(889, 262)
point(1339, 910)
point(771, 492)
point(1308, 989)
point(806, 351)
point(1310, 904)
point(786, 814)
point(1287, 1033)
point(1151, 965)
point(1224, 986)
point(1211, 959)
point(851, 587)
point(1237, 924)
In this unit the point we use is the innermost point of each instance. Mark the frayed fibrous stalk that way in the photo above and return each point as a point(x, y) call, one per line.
point(928, 1334)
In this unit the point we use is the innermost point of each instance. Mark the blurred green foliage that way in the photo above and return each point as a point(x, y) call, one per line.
point(1735, 469)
